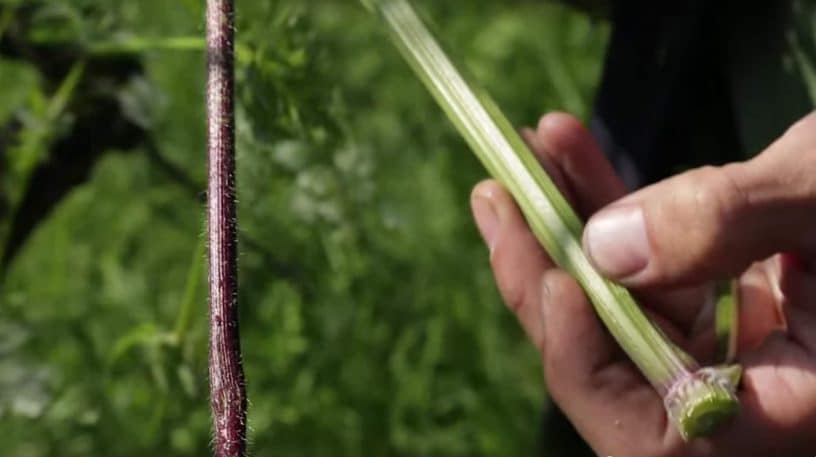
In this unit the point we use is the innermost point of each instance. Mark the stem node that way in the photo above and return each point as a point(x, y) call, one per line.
point(700, 401)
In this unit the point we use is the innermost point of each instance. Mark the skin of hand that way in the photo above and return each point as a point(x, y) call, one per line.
point(754, 220)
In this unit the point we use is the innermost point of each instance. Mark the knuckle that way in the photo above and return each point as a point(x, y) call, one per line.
point(710, 201)
point(726, 194)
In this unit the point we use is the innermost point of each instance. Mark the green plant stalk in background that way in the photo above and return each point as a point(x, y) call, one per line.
point(726, 319)
point(696, 399)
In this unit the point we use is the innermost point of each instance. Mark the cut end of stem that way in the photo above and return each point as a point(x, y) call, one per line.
point(703, 400)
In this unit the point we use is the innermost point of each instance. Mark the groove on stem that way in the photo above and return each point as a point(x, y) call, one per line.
point(227, 389)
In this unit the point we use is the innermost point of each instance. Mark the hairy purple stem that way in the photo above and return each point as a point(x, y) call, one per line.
point(227, 390)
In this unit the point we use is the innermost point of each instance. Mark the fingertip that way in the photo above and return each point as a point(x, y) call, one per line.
point(562, 131)
point(592, 180)
point(487, 189)
point(557, 121)
point(494, 193)
point(485, 212)
point(498, 217)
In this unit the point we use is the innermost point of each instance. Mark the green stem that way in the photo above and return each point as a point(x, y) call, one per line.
point(726, 320)
point(695, 399)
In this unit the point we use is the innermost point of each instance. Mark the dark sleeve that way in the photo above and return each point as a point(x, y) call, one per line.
point(664, 103)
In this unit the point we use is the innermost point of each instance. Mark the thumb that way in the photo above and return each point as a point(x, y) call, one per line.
point(712, 222)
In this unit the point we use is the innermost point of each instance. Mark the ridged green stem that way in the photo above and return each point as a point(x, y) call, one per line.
point(696, 400)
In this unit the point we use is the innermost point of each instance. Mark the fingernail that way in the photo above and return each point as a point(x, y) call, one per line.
point(616, 241)
point(487, 218)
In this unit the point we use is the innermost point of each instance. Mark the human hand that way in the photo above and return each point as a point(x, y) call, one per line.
point(755, 220)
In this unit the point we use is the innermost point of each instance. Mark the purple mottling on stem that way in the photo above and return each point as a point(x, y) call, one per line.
point(227, 390)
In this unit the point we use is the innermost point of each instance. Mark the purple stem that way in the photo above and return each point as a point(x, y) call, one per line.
point(227, 390)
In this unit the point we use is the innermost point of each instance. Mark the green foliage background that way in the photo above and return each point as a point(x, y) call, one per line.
point(371, 324)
